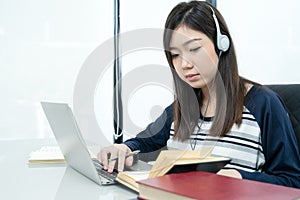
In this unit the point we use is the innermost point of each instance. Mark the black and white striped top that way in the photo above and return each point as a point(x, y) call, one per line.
point(242, 144)
point(264, 148)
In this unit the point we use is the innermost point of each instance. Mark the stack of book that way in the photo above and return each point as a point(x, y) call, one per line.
point(172, 161)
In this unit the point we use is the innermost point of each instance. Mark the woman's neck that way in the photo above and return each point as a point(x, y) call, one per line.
point(208, 102)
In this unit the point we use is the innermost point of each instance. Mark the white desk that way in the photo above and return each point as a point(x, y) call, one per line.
point(20, 181)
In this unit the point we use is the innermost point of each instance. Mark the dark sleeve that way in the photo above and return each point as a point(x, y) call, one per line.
point(282, 159)
point(155, 136)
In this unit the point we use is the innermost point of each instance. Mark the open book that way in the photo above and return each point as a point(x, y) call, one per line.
point(48, 154)
point(173, 161)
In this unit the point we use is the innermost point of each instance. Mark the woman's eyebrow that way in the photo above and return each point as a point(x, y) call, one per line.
point(186, 43)
point(191, 40)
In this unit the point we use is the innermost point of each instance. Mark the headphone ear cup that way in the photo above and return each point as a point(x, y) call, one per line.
point(223, 43)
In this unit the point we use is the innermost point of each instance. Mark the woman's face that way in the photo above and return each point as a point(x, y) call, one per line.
point(193, 56)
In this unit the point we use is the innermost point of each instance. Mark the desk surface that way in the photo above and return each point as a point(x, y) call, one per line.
point(20, 181)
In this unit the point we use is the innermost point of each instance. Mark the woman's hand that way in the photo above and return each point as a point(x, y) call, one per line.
point(230, 172)
point(115, 151)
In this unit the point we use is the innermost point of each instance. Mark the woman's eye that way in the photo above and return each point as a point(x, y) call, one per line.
point(174, 55)
point(195, 49)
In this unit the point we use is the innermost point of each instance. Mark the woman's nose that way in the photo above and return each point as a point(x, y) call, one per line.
point(185, 63)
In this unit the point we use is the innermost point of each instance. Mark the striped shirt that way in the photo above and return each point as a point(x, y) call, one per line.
point(242, 144)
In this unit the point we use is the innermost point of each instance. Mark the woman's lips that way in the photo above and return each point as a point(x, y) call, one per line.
point(192, 77)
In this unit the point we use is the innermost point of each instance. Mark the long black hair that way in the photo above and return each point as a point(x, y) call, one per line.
point(230, 89)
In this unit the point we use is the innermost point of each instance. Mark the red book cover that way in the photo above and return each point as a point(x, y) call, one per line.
point(205, 185)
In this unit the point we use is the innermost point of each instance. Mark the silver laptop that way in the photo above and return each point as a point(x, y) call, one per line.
point(72, 145)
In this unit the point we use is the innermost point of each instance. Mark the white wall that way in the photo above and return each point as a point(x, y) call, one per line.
point(43, 45)
point(266, 35)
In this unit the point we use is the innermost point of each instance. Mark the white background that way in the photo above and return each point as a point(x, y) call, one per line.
point(43, 45)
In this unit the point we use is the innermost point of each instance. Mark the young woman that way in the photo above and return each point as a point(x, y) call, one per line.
point(215, 107)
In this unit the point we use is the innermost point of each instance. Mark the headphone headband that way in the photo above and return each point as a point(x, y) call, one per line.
point(223, 42)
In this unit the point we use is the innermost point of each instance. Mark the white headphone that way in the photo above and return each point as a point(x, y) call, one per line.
point(223, 42)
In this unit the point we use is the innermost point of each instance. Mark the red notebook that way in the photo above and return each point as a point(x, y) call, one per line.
point(205, 185)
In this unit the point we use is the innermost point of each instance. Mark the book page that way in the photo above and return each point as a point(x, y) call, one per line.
point(129, 178)
point(169, 158)
point(46, 154)
point(135, 175)
point(49, 154)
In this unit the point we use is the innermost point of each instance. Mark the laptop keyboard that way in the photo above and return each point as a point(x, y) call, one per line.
point(106, 177)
